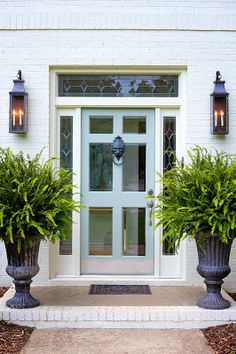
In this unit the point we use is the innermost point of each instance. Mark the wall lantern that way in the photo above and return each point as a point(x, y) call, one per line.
point(18, 114)
point(219, 108)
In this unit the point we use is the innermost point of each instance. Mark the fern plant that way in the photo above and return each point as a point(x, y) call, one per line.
point(35, 199)
point(200, 197)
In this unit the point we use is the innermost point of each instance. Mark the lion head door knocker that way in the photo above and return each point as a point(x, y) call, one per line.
point(118, 149)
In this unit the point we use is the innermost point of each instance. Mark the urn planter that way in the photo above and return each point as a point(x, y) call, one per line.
point(36, 203)
point(213, 265)
point(22, 267)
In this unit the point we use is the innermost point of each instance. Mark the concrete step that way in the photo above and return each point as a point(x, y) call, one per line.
point(94, 316)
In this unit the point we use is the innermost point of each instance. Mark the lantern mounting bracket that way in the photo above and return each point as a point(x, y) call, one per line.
point(218, 76)
point(19, 75)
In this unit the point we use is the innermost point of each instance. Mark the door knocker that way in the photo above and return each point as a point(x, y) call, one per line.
point(118, 149)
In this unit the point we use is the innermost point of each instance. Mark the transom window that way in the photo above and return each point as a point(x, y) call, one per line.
point(118, 85)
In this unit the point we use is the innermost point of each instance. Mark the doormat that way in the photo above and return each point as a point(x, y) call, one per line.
point(119, 290)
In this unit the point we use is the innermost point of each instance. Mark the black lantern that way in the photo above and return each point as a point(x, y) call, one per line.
point(18, 114)
point(219, 108)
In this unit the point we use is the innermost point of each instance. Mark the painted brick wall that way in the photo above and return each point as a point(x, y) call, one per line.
point(200, 35)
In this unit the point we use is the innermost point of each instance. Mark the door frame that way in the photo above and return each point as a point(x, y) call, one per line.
point(162, 106)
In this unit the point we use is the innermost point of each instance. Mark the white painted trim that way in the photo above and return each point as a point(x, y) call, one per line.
point(182, 149)
point(52, 152)
point(121, 69)
point(158, 168)
point(60, 262)
point(117, 279)
point(159, 104)
point(123, 102)
point(77, 181)
point(171, 265)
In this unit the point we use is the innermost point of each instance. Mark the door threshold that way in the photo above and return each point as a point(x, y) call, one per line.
point(87, 280)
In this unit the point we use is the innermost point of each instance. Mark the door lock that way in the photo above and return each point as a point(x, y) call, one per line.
point(150, 192)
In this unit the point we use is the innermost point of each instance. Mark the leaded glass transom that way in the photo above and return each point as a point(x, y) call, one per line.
point(169, 153)
point(66, 158)
point(118, 85)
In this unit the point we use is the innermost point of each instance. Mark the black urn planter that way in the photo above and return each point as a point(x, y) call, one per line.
point(22, 267)
point(213, 265)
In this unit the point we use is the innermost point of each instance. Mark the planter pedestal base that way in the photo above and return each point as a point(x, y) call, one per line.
point(213, 300)
point(22, 298)
point(213, 265)
point(22, 267)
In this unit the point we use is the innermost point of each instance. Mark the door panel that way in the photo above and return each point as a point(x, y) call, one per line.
point(116, 237)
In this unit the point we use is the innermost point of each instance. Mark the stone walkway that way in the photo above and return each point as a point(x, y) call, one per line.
point(117, 341)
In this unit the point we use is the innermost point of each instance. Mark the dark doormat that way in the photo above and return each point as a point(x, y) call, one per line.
point(119, 290)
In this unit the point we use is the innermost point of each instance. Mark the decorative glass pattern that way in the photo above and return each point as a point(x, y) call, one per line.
point(169, 143)
point(169, 152)
point(66, 142)
point(118, 85)
point(66, 158)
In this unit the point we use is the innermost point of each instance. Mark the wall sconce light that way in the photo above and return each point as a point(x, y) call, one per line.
point(18, 113)
point(219, 108)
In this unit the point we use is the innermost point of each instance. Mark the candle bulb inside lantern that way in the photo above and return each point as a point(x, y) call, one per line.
point(215, 118)
point(14, 118)
point(20, 118)
point(222, 118)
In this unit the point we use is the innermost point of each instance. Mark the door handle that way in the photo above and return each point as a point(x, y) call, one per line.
point(150, 205)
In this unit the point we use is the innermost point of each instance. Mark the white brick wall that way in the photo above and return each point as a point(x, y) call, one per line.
point(200, 35)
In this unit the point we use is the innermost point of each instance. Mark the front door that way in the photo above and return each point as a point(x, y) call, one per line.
point(116, 233)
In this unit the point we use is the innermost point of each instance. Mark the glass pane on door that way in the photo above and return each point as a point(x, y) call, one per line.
point(100, 231)
point(134, 232)
point(135, 125)
point(101, 125)
point(100, 167)
point(134, 168)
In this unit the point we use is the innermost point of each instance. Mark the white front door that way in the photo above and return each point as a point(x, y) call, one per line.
point(116, 233)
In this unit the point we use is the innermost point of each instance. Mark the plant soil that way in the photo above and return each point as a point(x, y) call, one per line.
point(12, 337)
point(222, 339)
point(2, 291)
point(233, 295)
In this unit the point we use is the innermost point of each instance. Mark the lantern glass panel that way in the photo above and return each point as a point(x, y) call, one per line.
point(18, 111)
point(220, 115)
